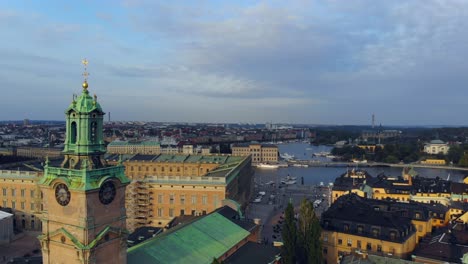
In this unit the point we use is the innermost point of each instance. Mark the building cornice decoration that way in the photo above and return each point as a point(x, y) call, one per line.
point(83, 179)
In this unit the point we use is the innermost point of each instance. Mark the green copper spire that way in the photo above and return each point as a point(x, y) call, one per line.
point(84, 143)
point(83, 214)
point(85, 103)
point(84, 167)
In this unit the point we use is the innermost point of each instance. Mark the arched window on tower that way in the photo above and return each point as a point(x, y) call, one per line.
point(93, 132)
point(73, 133)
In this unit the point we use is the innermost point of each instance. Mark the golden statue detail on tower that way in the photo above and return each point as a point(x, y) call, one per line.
point(85, 73)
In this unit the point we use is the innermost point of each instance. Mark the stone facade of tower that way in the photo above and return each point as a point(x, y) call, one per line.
point(84, 199)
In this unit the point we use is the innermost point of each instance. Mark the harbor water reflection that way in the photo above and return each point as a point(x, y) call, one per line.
point(316, 175)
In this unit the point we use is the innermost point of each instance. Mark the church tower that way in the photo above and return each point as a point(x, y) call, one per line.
point(84, 215)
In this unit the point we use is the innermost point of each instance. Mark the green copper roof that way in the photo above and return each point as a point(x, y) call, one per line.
point(85, 104)
point(198, 242)
point(171, 158)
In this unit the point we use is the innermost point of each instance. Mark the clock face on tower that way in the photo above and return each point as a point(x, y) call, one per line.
point(62, 195)
point(107, 192)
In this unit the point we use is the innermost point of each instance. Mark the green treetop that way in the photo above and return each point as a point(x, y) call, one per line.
point(289, 234)
point(309, 245)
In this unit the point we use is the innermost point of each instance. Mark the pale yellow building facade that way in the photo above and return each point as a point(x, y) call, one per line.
point(125, 147)
point(166, 186)
point(435, 147)
point(261, 153)
point(434, 162)
point(20, 192)
point(37, 152)
point(336, 244)
point(161, 189)
point(358, 225)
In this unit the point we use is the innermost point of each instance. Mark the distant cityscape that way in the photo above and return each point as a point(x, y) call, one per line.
point(217, 162)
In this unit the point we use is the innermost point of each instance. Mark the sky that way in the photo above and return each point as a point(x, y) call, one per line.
point(313, 62)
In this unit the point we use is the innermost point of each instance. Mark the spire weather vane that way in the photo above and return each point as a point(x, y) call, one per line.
point(85, 73)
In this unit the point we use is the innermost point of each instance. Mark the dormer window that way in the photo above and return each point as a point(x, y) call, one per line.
point(346, 227)
point(375, 232)
point(360, 229)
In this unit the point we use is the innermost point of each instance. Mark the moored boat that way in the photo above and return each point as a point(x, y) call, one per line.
point(288, 180)
point(359, 161)
point(321, 154)
point(267, 166)
point(286, 156)
point(301, 165)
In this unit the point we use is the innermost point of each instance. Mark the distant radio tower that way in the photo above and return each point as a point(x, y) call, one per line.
point(373, 121)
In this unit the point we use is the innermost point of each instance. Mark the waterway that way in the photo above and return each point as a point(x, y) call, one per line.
point(326, 175)
point(304, 151)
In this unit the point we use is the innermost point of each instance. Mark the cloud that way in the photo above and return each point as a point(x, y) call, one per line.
point(328, 61)
point(212, 85)
point(58, 32)
point(352, 54)
point(420, 34)
point(16, 62)
point(104, 16)
point(193, 82)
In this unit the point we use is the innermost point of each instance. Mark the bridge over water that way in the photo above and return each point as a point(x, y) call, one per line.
point(315, 163)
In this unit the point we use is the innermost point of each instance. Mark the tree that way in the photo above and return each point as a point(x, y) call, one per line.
point(464, 160)
point(289, 234)
point(411, 158)
point(315, 255)
point(379, 154)
point(391, 159)
point(454, 154)
point(440, 155)
point(309, 245)
point(305, 239)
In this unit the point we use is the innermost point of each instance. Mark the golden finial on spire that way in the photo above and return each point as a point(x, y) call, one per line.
point(85, 73)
